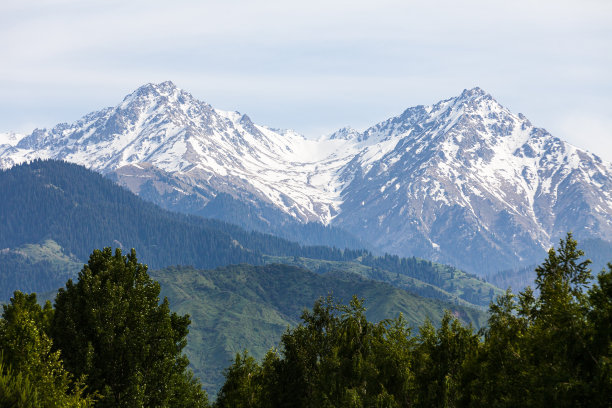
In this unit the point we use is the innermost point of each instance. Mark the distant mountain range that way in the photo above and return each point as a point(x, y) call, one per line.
point(463, 181)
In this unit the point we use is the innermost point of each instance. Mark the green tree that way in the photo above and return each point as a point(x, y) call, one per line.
point(242, 387)
point(439, 361)
point(335, 358)
point(558, 333)
point(16, 389)
point(552, 349)
point(600, 327)
point(497, 374)
point(111, 327)
point(33, 374)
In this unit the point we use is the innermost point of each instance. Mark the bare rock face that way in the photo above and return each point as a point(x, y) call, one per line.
point(463, 181)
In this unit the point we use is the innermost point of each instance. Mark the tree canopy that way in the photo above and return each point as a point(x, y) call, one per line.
point(31, 373)
point(112, 328)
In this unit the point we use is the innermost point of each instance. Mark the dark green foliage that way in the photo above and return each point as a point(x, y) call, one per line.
point(600, 340)
point(242, 387)
point(35, 268)
point(31, 374)
point(81, 210)
point(111, 327)
point(335, 358)
point(414, 275)
point(439, 362)
point(17, 271)
point(550, 350)
point(16, 389)
point(442, 276)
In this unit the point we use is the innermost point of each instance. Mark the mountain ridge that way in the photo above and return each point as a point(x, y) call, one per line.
point(55, 213)
point(463, 181)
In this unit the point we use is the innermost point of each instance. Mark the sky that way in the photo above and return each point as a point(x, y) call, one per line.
point(313, 66)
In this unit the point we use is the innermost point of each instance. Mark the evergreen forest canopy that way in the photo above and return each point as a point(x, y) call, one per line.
point(53, 203)
point(110, 341)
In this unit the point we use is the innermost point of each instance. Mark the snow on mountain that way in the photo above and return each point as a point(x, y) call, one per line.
point(8, 141)
point(463, 181)
point(467, 177)
point(162, 128)
point(11, 138)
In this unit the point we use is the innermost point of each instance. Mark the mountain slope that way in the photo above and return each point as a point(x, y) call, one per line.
point(166, 127)
point(81, 210)
point(67, 207)
point(245, 307)
point(468, 182)
point(41, 268)
point(463, 181)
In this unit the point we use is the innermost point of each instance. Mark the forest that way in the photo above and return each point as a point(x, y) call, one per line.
point(109, 340)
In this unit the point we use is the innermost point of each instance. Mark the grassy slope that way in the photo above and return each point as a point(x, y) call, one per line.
point(455, 288)
point(249, 307)
point(39, 267)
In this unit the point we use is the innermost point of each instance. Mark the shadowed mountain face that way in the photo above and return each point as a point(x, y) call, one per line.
point(463, 181)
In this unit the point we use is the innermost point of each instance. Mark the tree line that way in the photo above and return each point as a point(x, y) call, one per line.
point(109, 341)
point(81, 210)
point(554, 349)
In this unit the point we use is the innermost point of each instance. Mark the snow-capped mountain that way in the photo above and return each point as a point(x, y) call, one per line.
point(160, 129)
point(468, 182)
point(464, 181)
point(8, 141)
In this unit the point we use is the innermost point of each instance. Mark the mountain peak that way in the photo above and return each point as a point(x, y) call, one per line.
point(165, 88)
point(463, 168)
point(167, 85)
point(473, 93)
point(346, 133)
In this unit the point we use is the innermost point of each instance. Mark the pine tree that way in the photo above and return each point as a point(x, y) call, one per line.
point(599, 357)
point(553, 349)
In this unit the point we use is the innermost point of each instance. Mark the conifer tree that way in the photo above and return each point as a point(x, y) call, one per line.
point(439, 360)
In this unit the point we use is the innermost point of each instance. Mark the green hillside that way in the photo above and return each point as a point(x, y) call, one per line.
point(54, 214)
point(440, 282)
point(38, 268)
point(248, 307)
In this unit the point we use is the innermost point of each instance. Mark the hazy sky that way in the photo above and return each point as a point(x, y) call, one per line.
point(313, 66)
